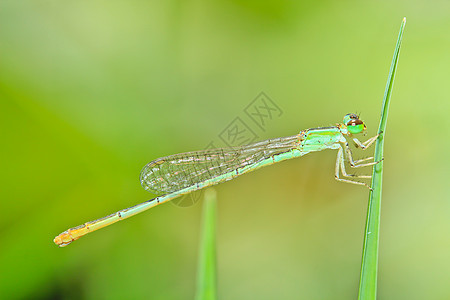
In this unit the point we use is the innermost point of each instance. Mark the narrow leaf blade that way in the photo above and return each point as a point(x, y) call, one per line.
point(369, 264)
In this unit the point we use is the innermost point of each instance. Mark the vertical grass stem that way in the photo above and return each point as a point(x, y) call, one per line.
point(369, 264)
point(206, 276)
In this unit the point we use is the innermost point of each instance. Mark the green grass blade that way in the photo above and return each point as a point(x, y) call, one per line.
point(369, 265)
point(206, 276)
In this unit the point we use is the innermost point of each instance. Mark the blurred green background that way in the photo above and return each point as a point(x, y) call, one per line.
point(93, 90)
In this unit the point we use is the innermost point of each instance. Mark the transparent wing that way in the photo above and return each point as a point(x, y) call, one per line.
point(175, 172)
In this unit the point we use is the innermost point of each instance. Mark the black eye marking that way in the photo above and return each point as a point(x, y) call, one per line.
point(355, 122)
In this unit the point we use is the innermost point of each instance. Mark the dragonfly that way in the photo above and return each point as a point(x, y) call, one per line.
point(180, 174)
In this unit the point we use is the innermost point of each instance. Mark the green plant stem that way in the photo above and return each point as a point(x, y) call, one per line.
point(206, 276)
point(369, 264)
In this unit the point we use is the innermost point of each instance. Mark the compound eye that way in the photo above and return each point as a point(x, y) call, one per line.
point(355, 126)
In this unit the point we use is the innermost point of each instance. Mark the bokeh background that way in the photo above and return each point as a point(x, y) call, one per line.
point(93, 90)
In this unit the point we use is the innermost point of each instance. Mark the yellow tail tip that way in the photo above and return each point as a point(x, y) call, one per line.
point(63, 239)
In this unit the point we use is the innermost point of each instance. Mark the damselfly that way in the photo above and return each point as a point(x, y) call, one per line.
point(180, 174)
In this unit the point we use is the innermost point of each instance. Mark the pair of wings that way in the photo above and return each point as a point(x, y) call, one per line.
point(175, 172)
